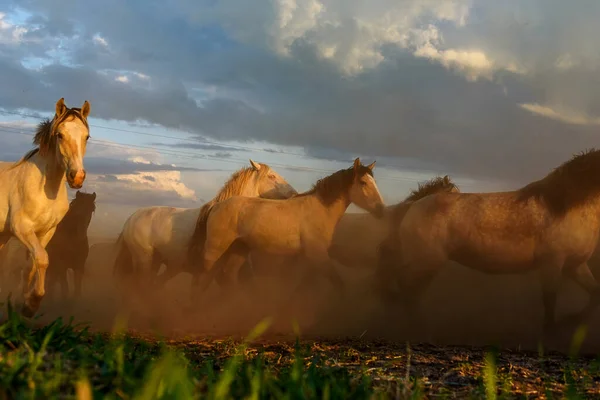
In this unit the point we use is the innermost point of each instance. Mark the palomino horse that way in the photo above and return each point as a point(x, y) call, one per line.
point(69, 246)
point(350, 246)
point(300, 226)
point(551, 225)
point(155, 235)
point(33, 196)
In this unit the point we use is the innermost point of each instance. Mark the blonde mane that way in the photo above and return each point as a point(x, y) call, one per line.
point(233, 187)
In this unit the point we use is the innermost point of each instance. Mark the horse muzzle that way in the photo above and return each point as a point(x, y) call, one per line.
point(75, 178)
point(379, 211)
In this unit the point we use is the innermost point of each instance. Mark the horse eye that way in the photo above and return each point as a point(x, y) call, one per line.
point(363, 183)
point(87, 138)
point(60, 136)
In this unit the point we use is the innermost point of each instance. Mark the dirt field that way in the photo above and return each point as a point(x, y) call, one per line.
point(467, 311)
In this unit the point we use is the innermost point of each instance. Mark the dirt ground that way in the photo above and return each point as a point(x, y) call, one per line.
point(466, 311)
point(462, 307)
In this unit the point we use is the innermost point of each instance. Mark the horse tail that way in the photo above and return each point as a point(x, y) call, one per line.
point(196, 244)
point(123, 262)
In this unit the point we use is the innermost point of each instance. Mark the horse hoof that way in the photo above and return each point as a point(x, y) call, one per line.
point(27, 311)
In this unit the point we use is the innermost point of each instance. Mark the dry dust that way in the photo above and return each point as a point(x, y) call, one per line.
point(462, 307)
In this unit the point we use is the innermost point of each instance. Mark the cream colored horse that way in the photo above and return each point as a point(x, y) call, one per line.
point(355, 242)
point(33, 196)
point(155, 235)
point(551, 225)
point(302, 225)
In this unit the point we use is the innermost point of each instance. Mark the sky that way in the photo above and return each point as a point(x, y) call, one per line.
point(183, 93)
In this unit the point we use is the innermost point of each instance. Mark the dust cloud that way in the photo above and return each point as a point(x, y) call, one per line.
point(461, 307)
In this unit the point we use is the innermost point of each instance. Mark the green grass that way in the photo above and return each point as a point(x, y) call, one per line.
point(66, 360)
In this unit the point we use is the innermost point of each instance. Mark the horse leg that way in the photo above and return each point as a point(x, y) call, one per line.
point(412, 296)
point(64, 284)
point(551, 275)
point(204, 274)
point(582, 275)
point(37, 247)
point(230, 265)
point(78, 280)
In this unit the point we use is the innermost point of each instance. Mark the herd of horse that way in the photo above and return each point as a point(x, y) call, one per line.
point(551, 226)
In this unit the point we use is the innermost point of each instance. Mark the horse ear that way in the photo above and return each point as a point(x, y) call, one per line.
point(255, 165)
point(61, 108)
point(85, 109)
point(94, 194)
point(446, 179)
point(77, 194)
point(356, 163)
point(372, 165)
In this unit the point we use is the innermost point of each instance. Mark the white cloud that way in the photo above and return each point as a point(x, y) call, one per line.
point(563, 115)
point(100, 41)
point(122, 79)
point(10, 33)
point(141, 76)
point(159, 181)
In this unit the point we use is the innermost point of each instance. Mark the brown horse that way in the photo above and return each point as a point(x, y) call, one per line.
point(355, 241)
point(551, 225)
point(302, 225)
point(69, 247)
point(152, 236)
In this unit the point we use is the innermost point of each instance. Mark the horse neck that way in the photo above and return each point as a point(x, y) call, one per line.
point(250, 189)
point(53, 172)
point(337, 209)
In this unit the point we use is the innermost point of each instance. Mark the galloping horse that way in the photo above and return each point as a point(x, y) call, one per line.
point(355, 241)
point(69, 246)
point(551, 225)
point(302, 225)
point(155, 235)
point(33, 196)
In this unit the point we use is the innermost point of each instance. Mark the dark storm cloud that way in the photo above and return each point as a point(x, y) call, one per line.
point(408, 107)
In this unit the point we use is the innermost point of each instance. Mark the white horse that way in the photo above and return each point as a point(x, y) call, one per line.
point(160, 235)
point(33, 196)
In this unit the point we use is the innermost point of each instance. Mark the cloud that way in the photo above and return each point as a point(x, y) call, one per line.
point(158, 185)
point(567, 116)
point(490, 89)
point(197, 145)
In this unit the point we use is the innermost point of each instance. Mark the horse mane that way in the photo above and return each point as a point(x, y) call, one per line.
point(45, 134)
point(232, 187)
point(238, 180)
point(328, 189)
point(569, 185)
point(432, 186)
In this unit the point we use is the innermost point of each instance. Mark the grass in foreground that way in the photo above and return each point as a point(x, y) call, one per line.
point(63, 360)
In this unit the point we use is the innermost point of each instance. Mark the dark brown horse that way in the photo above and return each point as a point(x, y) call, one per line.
point(69, 246)
point(551, 225)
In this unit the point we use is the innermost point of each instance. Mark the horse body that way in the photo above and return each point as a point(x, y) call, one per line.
point(69, 247)
point(161, 235)
point(300, 226)
point(350, 246)
point(33, 196)
point(551, 225)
